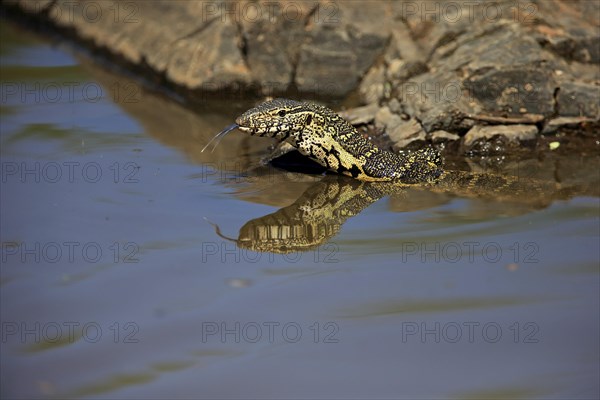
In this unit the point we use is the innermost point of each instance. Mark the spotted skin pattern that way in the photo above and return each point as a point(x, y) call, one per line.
point(325, 137)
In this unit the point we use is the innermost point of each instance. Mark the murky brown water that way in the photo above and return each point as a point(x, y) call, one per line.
point(115, 285)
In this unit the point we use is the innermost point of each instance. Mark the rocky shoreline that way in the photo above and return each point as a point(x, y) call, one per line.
point(456, 73)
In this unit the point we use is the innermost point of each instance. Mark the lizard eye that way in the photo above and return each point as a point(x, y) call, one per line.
point(281, 113)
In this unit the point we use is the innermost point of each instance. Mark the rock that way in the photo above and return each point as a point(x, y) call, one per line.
point(328, 65)
point(578, 99)
point(334, 57)
point(583, 72)
point(577, 49)
point(394, 106)
point(315, 47)
point(372, 89)
point(494, 67)
point(360, 115)
point(403, 46)
point(555, 125)
point(511, 133)
point(427, 25)
point(513, 90)
point(187, 61)
point(386, 119)
point(443, 136)
point(406, 133)
point(401, 133)
point(322, 50)
point(567, 29)
point(193, 48)
point(511, 76)
point(271, 55)
point(39, 6)
point(399, 70)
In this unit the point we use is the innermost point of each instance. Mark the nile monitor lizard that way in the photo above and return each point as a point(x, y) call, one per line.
point(325, 137)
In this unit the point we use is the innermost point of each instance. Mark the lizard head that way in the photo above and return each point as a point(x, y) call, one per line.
point(276, 118)
point(279, 118)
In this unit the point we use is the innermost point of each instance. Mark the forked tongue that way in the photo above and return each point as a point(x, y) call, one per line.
point(219, 136)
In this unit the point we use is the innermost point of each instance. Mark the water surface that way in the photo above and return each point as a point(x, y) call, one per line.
point(115, 285)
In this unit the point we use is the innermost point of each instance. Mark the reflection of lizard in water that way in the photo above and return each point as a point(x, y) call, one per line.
point(312, 220)
point(320, 134)
point(319, 213)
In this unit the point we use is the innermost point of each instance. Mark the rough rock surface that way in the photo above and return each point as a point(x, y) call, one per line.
point(321, 47)
point(428, 71)
point(514, 133)
point(402, 132)
point(498, 63)
point(577, 99)
point(361, 115)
